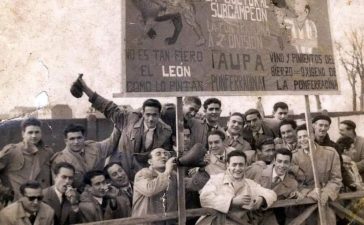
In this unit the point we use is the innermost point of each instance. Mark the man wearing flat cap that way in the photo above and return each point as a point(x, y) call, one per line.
point(321, 125)
point(347, 129)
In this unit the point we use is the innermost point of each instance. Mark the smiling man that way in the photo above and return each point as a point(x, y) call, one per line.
point(29, 209)
point(231, 193)
point(288, 134)
point(26, 160)
point(321, 125)
point(142, 130)
point(85, 155)
point(201, 128)
point(234, 137)
point(155, 187)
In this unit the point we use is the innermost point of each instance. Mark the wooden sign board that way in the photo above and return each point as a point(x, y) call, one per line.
point(227, 47)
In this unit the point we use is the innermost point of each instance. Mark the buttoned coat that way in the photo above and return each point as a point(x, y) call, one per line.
point(219, 192)
point(95, 154)
point(63, 213)
point(14, 173)
point(14, 214)
point(150, 187)
point(131, 144)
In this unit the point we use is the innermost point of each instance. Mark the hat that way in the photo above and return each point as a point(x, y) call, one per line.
point(321, 117)
point(349, 123)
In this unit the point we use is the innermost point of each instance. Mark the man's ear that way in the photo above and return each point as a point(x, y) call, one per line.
point(149, 161)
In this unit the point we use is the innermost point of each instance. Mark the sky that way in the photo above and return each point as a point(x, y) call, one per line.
point(45, 44)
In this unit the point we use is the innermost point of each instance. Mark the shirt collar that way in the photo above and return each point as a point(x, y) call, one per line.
point(99, 200)
point(59, 194)
point(260, 131)
point(146, 128)
point(274, 175)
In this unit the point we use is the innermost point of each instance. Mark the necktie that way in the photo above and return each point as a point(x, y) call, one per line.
point(276, 180)
point(32, 218)
point(148, 138)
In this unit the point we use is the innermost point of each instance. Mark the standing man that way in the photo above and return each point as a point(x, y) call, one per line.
point(201, 128)
point(29, 209)
point(99, 200)
point(234, 137)
point(141, 132)
point(27, 160)
point(155, 187)
point(216, 157)
point(328, 169)
point(275, 177)
point(287, 131)
point(85, 155)
point(230, 193)
point(256, 129)
point(280, 113)
point(347, 129)
point(62, 197)
point(321, 125)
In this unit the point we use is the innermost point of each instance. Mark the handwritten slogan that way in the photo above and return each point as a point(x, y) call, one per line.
point(228, 47)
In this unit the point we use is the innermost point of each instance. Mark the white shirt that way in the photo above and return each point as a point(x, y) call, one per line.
point(274, 175)
point(59, 194)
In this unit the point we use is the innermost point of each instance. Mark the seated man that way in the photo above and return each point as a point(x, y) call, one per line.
point(233, 195)
point(99, 200)
point(29, 209)
point(119, 179)
point(26, 160)
point(155, 187)
point(62, 197)
point(264, 157)
point(85, 155)
point(275, 177)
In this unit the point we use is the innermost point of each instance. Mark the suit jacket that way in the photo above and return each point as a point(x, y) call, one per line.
point(93, 159)
point(14, 214)
point(283, 188)
point(14, 171)
point(267, 133)
point(131, 144)
point(63, 214)
point(239, 144)
point(91, 210)
point(199, 131)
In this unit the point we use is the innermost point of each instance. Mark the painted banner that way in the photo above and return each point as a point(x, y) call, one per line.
point(223, 47)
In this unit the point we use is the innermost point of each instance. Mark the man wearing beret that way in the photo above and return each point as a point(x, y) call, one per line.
point(321, 125)
point(347, 129)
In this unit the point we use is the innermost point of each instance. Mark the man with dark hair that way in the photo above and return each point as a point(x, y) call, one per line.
point(62, 197)
point(264, 157)
point(155, 187)
point(216, 156)
point(29, 209)
point(141, 131)
point(191, 106)
point(201, 128)
point(276, 177)
point(287, 131)
point(231, 193)
point(321, 125)
point(234, 137)
point(119, 179)
point(256, 129)
point(85, 155)
point(280, 113)
point(99, 200)
point(347, 129)
point(27, 160)
point(328, 169)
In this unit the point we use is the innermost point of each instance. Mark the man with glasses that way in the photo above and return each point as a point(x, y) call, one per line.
point(155, 187)
point(29, 209)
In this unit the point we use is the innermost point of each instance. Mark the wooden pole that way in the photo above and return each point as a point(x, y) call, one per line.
point(180, 170)
point(321, 209)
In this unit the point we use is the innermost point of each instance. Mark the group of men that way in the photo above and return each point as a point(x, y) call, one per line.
point(249, 164)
